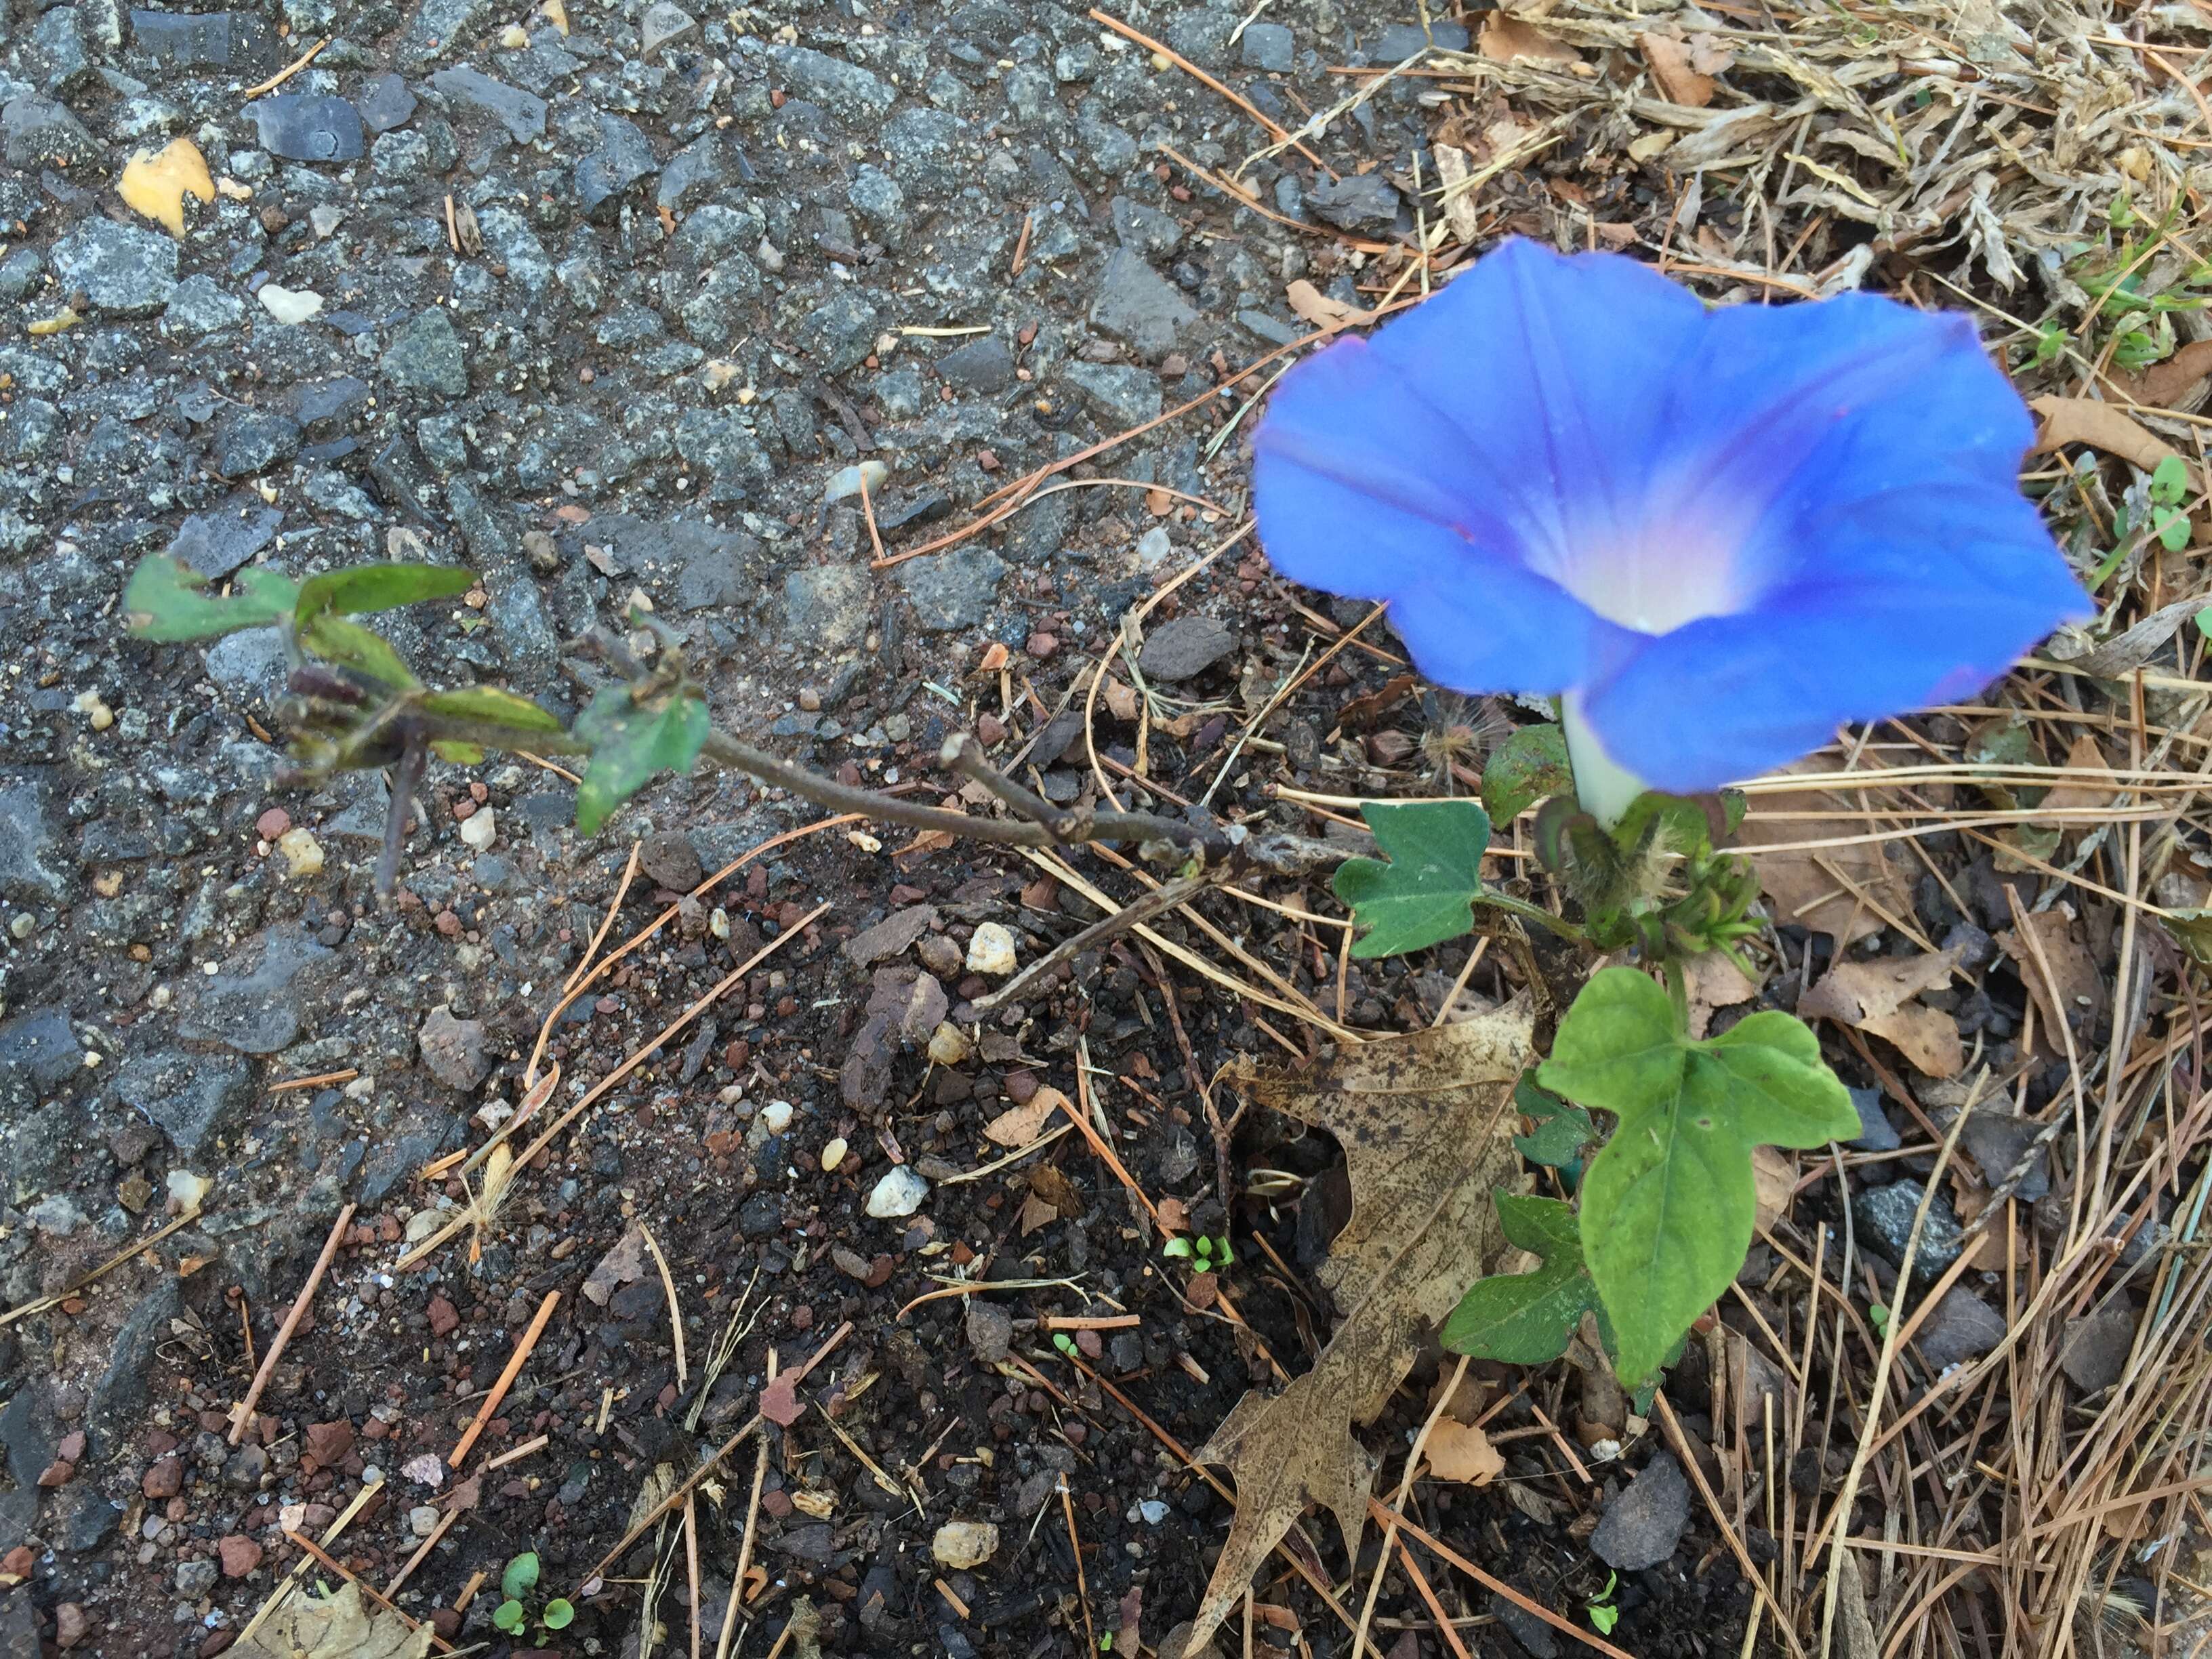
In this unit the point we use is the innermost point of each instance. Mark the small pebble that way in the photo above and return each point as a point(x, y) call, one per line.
point(272, 823)
point(301, 851)
point(961, 1545)
point(898, 1193)
point(775, 1117)
point(479, 828)
point(833, 1155)
point(991, 951)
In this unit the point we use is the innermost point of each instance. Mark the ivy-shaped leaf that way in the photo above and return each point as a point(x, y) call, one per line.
point(1528, 1319)
point(166, 599)
point(1668, 1205)
point(380, 588)
point(630, 742)
point(520, 1577)
point(1425, 895)
point(1527, 765)
point(1562, 1130)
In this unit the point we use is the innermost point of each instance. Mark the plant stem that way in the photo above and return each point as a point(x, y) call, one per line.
point(1042, 825)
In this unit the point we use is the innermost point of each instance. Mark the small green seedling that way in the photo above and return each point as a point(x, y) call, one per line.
point(517, 1581)
point(1878, 1316)
point(1205, 1255)
point(1603, 1615)
point(1064, 1342)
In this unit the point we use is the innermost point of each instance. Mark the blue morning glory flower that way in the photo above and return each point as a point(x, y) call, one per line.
point(1714, 534)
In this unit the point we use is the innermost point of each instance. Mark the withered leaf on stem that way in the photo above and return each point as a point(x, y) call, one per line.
point(1425, 1122)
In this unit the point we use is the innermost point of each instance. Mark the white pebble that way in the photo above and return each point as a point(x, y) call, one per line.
point(991, 951)
point(899, 1193)
point(833, 1155)
point(846, 481)
point(963, 1544)
point(479, 828)
point(422, 1520)
point(289, 305)
point(775, 1117)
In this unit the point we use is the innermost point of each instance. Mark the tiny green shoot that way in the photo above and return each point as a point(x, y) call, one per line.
point(1603, 1615)
point(1064, 1342)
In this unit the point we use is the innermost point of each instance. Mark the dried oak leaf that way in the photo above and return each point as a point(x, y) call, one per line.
point(2100, 425)
point(1461, 1452)
point(1671, 68)
point(2073, 991)
point(1880, 998)
point(1425, 1122)
point(340, 1627)
point(1841, 891)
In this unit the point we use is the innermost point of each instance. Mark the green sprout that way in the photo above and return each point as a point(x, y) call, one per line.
point(1603, 1615)
point(1878, 1316)
point(516, 1582)
point(1205, 1254)
point(1064, 1342)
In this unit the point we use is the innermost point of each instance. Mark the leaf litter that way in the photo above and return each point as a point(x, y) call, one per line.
point(1425, 1125)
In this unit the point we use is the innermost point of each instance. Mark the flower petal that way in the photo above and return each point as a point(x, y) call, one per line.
point(1931, 596)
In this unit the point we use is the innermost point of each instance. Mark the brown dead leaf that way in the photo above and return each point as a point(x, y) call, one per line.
point(1814, 888)
point(1774, 1181)
point(1504, 39)
point(1020, 1125)
point(1369, 707)
point(1425, 1122)
point(2073, 978)
point(2101, 426)
point(1679, 80)
point(1317, 308)
point(623, 1265)
point(1714, 981)
point(2086, 757)
point(1175, 1215)
point(306, 1626)
point(1049, 1183)
point(1879, 997)
point(1459, 1452)
point(2166, 385)
point(1121, 699)
point(1036, 1213)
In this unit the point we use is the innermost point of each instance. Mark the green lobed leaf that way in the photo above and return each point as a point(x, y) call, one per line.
point(1425, 895)
point(166, 600)
point(509, 1615)
point(380, 588)
point(630, 742)
point(1668, 1203)
point(350, 645)
point(1619, 1046)
point(558, 1615)
point(1528, 1319)
point(1527, 765)
point(1562, 1130)
point(520, 1577)
point(489, 705)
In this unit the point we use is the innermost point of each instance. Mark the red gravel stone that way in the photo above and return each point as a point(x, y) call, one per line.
point(70, 1625)
point(165, 1480)
point(329, 1443)
point(272, 823)
point(240, 1553)
point(445, 1318)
